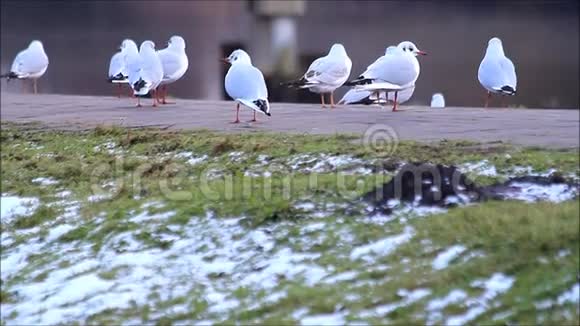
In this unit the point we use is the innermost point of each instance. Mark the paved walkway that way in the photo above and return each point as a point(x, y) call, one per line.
point(531, 127)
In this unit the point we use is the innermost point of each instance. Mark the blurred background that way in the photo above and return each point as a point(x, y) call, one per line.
point(283, 37)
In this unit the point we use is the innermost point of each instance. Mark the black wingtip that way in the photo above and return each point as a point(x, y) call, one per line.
point(138, 85)
point(508, 90)
point(10, 75)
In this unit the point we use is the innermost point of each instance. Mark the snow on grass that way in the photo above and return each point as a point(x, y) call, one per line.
point(201, 257)
point(437, 305)
point(45, 181)
point(483, 168)
point(191, 158)
point(408, 298)
point(12, 206)
point(444, 258)
point(531, 192)
point(496, 285)
point(384, 246)
point(324, 319)
point(570, 296)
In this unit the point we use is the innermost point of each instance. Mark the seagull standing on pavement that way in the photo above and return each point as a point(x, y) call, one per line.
point(30, 63)
point(326, 74)
point(175, 63)
point(497, 73)
point(246, 85)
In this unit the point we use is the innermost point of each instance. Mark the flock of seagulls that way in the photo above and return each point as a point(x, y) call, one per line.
point(390, 78)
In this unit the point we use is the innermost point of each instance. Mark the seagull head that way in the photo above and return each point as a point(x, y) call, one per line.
point(495, 47)
point(36, 44)
point(411, 48)
point(147, 45)
point(128, 44)
point(337, 49)
point(238, 56)
point(177, 42)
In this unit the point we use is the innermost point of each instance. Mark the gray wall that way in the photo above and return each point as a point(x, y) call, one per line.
point(540, 37)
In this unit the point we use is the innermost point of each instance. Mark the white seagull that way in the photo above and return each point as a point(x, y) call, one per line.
point(175, 63)
point(145, 71)
point(118, 72)
point(437, 101)
point(497, 73)
point(245, 84)
point(326, 74)
point(30, 63)
point(394, 72)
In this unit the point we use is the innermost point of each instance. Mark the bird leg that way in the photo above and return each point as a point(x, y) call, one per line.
point(34, 87)
point(155, 97)
point(395, 102)
point(487, 99)
point(254, 120)
point(119, 90)
point(237, 114)
point(332, 99)
point(138, 102)
point(322, 100)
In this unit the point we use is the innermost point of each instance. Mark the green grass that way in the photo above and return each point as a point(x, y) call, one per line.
point(520, 240)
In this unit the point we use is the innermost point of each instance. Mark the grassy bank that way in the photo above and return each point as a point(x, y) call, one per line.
point(145, 226)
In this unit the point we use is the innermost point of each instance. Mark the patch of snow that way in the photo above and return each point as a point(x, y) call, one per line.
point(497, 284)
point(453, 297)
point(384, 246)
point(483, 168)
point(57, 231)
point(45, 181)
point(408, 298)
point(306, 206)
point(11, 206)
point(345, 276)
point(99, 197)
point(324, 319)
point(191, 158)
point(572, 295)
point(531, 192)
point(444, 258)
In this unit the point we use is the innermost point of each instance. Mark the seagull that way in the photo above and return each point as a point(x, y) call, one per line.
point(174, 61)
point(30, 63)
point(356, 96)
point(145, 71)
point(397, 70)
point(118, 73)
point(497, 73)
point(246, 85)
point(326, 74)
point(437, 101)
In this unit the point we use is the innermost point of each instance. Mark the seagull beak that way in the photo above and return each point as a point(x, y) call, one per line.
point(225, 60)
point(421, 52)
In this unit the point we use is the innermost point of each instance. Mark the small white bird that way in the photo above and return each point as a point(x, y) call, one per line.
point(175, 63)
point(30, 63)
point(245, 84)
point(145, 71)
point(326, 74)
point(118, 72)
point(397, 70)
point(437, 101)
point(497, 73)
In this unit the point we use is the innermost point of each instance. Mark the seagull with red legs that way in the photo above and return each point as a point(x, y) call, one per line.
point(245, 84)
point(175, 63)
point(145, 72)
point(497, 73)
